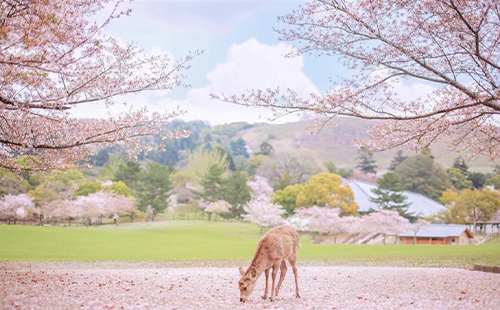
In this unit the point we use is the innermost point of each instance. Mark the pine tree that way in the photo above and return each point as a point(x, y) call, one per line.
point(389, 195)
point(212, 185)
point(266, 148)
point(237, 193)
point(366, 162)
point(399, 158)
point(239, 147)
point(154, 186)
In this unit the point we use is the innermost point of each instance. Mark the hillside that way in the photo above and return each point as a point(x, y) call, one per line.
point(335, 143)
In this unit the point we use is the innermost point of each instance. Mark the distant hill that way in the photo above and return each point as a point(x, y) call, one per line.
point(336, 143)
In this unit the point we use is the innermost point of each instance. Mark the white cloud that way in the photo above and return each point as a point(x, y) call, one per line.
point(248, 65)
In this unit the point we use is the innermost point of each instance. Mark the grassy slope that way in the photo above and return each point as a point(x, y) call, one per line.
point(202, 240)
point(336, 143)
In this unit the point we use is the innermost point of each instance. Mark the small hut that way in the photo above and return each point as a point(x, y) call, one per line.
point(439, 234)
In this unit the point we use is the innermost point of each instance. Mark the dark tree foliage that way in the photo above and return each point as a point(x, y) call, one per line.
point(345, 172)
point(238, 147)
point(389, 195)
point(366, 162)
point(420, 174)
point(154, 186)
point(129, 173)
point(330, 166)
point(266, 149)
point(478, 179)
point(229, 158)
point(237, 193)
point(212, 183)
point(398, 159)
point(100, 158)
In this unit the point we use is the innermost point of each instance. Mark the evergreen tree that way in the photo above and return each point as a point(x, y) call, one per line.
point(128, 173)
point(238, 147)
point(478, 179)
point(154, 186)
point(100, 158)
point(458, 178)
point(398, 159)
point(266, 148)
point(389, 195)
point(237, 193)
point(366, 162)
point(228, 157)
point(330, 166)
point(212, 183)
point(420, 174)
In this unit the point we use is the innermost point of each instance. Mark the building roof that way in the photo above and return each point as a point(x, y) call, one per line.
point(420, 205)
point(440, 231)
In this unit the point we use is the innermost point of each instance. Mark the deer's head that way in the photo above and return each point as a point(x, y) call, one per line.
point(247, 282)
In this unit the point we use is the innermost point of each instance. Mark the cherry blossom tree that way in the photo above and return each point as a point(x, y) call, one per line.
point(447, 49)
point(323, 220)
point(102, 204)
point(260, 186)
point(263, 213)
point(260, 210)
point(385, 222)
point(54, 57)
point(172, 204)
point(16, 207)
point(218, 207)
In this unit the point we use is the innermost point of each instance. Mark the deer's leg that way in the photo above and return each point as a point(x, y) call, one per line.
point(275, 272)
point(267, 281)
point(293, 261)
point(282, 276)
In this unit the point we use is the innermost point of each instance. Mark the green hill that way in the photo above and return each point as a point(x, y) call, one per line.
point(336, 143)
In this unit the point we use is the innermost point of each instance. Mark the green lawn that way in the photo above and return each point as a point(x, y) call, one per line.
point(203, 240)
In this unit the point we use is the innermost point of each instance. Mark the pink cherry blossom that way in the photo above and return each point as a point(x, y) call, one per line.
point(54, 57)
point(448, 47)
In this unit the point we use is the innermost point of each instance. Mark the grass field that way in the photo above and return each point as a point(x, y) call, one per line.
point(213, 241)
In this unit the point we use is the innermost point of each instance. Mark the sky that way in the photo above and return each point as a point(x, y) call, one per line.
point(241, 51)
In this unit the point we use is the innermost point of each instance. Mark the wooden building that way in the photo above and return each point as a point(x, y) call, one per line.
point(439, 234)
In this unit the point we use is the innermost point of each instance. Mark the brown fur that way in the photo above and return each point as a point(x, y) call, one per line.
point(275, 247)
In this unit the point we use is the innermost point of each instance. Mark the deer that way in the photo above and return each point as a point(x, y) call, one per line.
point(275, 247)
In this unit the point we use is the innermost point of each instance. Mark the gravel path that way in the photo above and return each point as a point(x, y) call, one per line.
point(150, 286)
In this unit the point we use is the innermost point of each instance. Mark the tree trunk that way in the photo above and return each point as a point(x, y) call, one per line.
point(384, 238)
point(261, 229)
point(414, 239)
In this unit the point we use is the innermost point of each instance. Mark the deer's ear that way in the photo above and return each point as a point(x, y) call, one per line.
point(253, 272)
point(242, 271)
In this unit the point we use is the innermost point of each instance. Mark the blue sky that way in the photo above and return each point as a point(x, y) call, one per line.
point(241, 51)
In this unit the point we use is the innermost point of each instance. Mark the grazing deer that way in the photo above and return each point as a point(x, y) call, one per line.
point(277, 245)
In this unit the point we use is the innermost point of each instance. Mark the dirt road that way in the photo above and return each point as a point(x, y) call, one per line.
point(151, 286)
